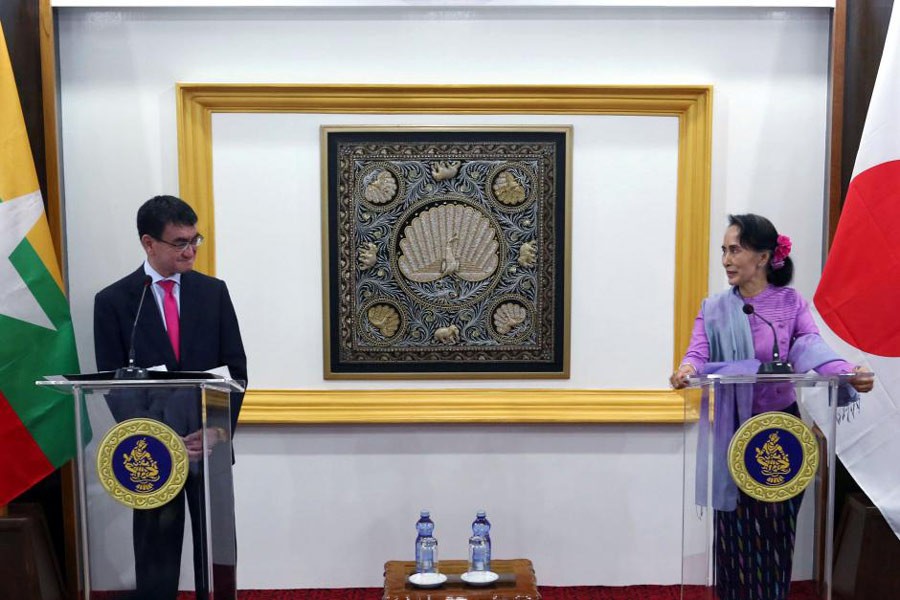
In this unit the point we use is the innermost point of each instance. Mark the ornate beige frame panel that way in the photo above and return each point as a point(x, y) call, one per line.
point(691, 105)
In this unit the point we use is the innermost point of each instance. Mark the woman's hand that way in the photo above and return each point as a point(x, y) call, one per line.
point(862, 381)
point(679, 378)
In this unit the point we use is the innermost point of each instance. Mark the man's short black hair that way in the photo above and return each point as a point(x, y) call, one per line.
point(159, 211)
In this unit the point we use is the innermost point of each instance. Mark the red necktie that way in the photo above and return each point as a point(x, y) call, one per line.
point(170, 310)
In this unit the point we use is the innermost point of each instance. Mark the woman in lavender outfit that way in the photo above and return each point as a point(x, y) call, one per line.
point(755, 540)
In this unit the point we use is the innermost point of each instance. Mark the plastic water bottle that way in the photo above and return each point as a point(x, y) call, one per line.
point(426, 545)
point(481, 528)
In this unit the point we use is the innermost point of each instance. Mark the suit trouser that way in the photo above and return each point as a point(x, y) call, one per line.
point(158, 539)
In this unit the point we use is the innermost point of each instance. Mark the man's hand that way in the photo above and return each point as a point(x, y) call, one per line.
point(194, 441)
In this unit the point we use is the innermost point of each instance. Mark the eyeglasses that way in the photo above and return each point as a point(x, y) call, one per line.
point(182, 246)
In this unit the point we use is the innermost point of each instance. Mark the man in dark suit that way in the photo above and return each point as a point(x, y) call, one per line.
point(187, 323)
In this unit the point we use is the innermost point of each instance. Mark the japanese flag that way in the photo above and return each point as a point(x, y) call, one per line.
point(858, 297)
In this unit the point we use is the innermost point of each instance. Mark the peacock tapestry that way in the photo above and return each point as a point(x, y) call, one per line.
point(446, 252)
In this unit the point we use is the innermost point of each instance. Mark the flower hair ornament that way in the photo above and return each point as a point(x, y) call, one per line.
point(782, 251)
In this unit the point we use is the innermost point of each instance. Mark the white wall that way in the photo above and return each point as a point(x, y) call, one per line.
point(624, 170)
point(326, 506)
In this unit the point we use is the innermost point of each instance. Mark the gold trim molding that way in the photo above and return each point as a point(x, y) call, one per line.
point(691, 105)
point(464, 406)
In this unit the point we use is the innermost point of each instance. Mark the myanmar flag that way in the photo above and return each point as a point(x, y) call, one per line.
point(36, 336)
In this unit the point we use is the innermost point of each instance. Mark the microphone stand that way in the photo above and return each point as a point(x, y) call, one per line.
point(131, 371)
point(776, 366)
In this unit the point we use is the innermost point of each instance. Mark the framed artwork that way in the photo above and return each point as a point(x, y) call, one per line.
point(342, 401)
point(446, 251)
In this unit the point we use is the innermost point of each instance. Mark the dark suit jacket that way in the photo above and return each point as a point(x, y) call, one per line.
point(209, 336)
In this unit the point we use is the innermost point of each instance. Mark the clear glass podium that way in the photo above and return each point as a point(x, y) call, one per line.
point(151, 452)
point(759, 490)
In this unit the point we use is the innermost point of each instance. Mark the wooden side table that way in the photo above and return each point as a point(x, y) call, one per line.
point(516, 582)
point(865, 549)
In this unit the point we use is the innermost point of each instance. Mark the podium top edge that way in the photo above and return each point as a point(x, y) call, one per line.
point(800, 379)
point(87, 382)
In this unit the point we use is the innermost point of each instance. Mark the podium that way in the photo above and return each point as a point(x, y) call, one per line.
point(759, 488)
point(133, 468)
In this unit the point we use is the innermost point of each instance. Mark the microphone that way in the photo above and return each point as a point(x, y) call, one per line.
point(131, 371)
point(776, 366)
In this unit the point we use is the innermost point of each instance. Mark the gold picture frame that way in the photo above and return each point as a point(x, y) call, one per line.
point(691, 105)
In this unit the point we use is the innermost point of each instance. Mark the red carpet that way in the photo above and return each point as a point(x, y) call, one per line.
point(803, 590)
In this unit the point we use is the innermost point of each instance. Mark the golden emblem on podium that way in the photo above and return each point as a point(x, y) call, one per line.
point(773, 456)
point(142, 463)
